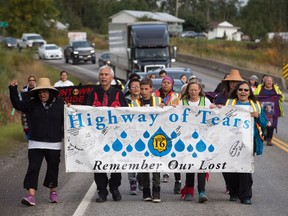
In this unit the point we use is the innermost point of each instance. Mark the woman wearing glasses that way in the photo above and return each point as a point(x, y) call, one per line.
point(240, 184)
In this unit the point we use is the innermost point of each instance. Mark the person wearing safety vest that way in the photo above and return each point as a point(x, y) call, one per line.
point(146, 89)
point(268, 88)
point(194, 96)
point(167, 93)
point(170, 98)
point(133, 100)
point(240, 184)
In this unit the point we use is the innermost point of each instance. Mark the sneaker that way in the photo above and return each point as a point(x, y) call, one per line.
point(28, 200)
point(147, 194)
point(246, 201)
point(188, 197)
point(233, 198)
point(187, 193)
point(156, 197)
point(116, 194)
point(102, 196)
point(202, 197)
point(156, 194)
point(177, 187)
point(166, 178)
point(133, 188)
point(53, 197)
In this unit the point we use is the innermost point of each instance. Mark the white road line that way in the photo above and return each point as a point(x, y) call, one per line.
point(85, 201)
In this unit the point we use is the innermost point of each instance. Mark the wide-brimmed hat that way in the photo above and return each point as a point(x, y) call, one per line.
point(234, 76)
point(44, 83)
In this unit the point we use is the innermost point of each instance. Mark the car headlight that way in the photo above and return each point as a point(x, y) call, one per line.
point(75, 52)
point(92, 51)
point(135, 61)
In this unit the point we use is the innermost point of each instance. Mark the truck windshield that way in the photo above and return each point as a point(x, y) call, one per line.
point(35, 37)
point(77, 44)
point(152, 52)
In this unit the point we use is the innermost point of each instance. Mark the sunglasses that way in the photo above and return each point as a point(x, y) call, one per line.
point(241, 89)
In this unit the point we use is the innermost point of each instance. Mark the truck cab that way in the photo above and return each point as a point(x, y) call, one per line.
point(140, 46)
point(149, 47)
point(29, 40)
point(79, 51)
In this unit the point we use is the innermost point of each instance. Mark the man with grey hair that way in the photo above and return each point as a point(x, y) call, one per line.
point(107, 95)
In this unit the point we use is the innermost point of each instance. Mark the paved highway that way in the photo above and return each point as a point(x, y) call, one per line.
point(77, 190)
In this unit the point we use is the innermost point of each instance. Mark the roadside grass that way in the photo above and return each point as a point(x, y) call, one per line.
point(18, 65)
point(12, 138)
point(265, 57)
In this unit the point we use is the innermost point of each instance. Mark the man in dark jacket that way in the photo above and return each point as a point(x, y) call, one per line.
point(106, 95)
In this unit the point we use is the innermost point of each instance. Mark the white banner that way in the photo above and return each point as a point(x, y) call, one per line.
point(152, 139)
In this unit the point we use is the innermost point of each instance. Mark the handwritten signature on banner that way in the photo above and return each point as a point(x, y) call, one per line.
point(149, 139)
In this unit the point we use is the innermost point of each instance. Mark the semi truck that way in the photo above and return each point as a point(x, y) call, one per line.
point(140, 46)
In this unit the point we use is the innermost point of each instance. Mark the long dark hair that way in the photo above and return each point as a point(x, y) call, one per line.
point(233, 94)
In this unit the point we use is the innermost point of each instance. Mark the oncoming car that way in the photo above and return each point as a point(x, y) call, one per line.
point(50, 51)
point(174, 72)
point(103, 59)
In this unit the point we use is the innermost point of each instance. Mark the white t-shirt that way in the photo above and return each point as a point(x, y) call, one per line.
point(32, 144)
point(207, 103)
point(60, 83)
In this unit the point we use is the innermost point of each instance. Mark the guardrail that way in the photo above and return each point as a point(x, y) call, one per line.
point(225, 68)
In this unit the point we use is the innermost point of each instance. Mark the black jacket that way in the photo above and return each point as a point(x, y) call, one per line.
point(45, 124)
point(114, 94)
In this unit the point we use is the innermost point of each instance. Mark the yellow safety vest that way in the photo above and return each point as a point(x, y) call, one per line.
point(256, 108)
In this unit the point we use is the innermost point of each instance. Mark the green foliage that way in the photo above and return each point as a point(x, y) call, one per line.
point(11, 138)
point(256, 19)
point(145, 18)
point(32, 16)
point(265, 57)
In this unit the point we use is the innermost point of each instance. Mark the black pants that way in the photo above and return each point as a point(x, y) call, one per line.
point(240, 184)
point(145, 179)
point(101, 180)
point(200, 178)
point(269, 131)
point(35, 157)
point(177, 176)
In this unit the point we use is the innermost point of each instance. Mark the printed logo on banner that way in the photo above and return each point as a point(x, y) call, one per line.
point(160, 144)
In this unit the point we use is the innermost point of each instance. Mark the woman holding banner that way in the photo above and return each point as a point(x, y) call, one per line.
point(268, 92)
point(240, 184)
point(194, 96)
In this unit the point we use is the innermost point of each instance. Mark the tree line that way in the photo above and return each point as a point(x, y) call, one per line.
point(256, 18)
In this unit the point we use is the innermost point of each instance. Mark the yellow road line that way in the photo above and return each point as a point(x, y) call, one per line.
point(280, 144)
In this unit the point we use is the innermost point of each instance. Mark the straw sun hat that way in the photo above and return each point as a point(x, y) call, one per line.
point(44, 83)
point(234, 76)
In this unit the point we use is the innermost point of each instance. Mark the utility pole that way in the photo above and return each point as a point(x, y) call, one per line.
point(176, 12)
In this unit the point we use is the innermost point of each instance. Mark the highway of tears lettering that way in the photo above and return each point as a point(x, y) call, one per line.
point(154, 139)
